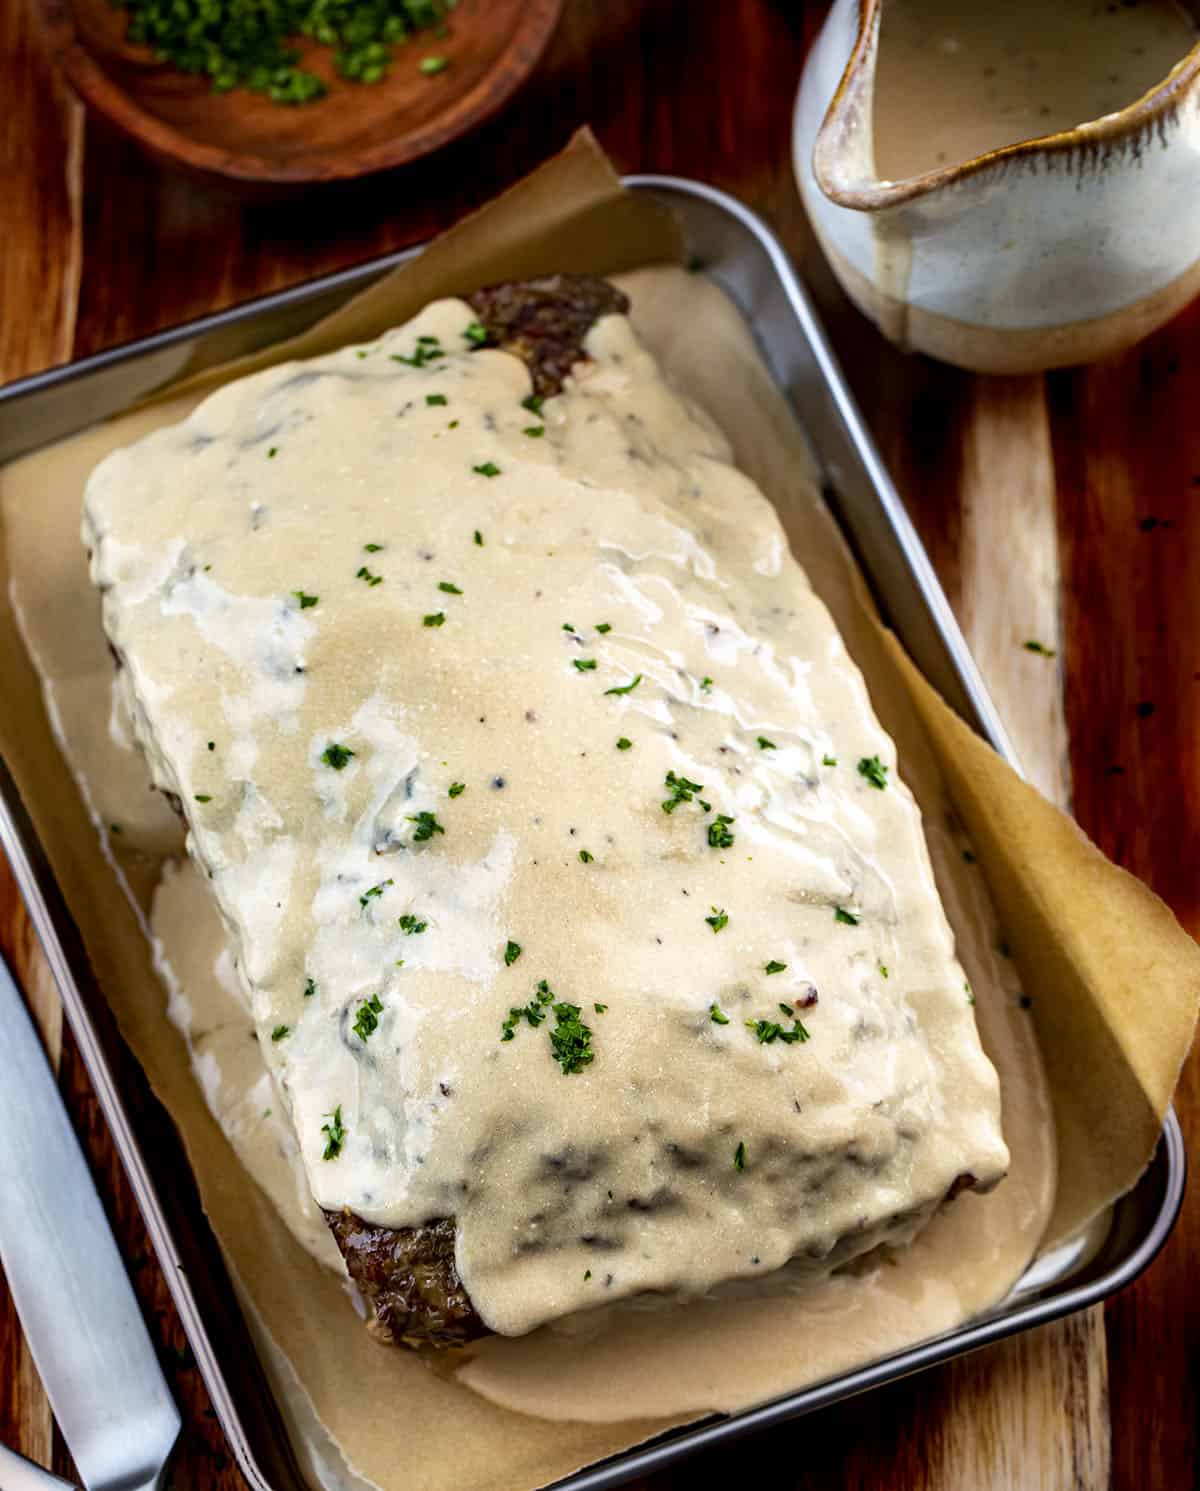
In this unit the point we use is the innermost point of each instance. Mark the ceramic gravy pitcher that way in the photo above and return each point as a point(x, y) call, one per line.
point(1006, 236)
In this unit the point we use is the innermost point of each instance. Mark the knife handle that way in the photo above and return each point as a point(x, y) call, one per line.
point(19, 1474)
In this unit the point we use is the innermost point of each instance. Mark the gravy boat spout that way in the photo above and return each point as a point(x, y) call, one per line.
point(1051, 245)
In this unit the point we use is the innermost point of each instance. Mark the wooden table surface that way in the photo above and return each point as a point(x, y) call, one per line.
point(1065, 508)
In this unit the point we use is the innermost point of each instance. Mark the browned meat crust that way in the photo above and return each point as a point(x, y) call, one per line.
point(544, 322)
point(407, 1275)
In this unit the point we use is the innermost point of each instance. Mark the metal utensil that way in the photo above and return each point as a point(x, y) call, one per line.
point(76, 1304)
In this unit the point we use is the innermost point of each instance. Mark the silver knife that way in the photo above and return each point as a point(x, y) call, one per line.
point(77, 1307)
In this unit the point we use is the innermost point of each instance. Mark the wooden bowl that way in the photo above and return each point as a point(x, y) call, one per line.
point(492, 47)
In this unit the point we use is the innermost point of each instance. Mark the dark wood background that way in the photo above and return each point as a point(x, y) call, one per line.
point(1098, 470)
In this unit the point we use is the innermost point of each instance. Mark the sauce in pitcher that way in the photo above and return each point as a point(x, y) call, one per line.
point(957, 79)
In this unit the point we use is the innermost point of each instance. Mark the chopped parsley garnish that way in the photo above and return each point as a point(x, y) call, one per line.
point(719, 836)
point(305, 600)
point(847, 918)
point(310, 988)
point(601, 1009)
point(336, 755)
point(739, 1155)
point(718, 919)
point(372, 548)
point(212, 745)
point(571, 1039)
point(280, 1031)
point(335, 1134)
point(533, 403)
point(436, 400)
point(363, 573)
point(584, 664)
point(603, 626)
point(456, 789)
point(427, 826)
point(717, 1015)
point(272, 453)
point(478, 539)
point(626, 688)
point(535, 432)
point(476, 334)
point(624, 743)
point(874, 770)
point(366, 1021)
point(586, 856)
point(1040, 648)
point(512, 951)
point(532, 1013)
point(486, 468)
point(431, 66)
point(774, 966)
point(434, 618)
point(412, 925)
point(766, 745)
point(883, 969)
point(426, 350)
point(567, 627)
point(828, 760)
point(767, 1032)
point(448, 587)
point(587, 1275)
point(375, 892)
point(706, 684)
point(203, 797)
point(681, 791)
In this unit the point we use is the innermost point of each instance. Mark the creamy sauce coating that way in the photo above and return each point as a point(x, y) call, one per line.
point(957, 79)
point(206, 1002)
point(318, 650)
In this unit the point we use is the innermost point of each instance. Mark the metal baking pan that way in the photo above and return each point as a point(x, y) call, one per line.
point(740, 253)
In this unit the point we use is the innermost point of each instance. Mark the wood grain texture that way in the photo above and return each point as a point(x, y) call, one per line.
point(41, 157)
point(41, 140)
point(1127, 453)
point(1092, 477)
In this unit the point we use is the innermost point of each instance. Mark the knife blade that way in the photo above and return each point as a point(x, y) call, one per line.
point(76, 1305)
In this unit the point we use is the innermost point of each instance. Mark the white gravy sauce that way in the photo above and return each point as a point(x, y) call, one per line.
point(957, 79)
point(318, 649)
point(613, 1363)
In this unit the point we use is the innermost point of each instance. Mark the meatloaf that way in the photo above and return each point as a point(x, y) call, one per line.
point(588, 924)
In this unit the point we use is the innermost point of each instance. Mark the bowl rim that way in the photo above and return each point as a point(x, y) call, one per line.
point(847, 107)
point(535, 24)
